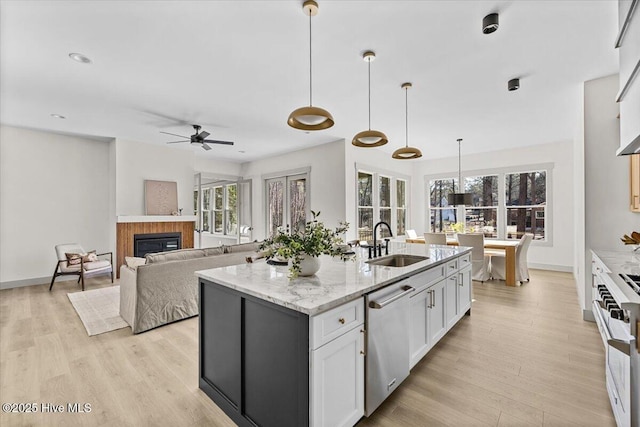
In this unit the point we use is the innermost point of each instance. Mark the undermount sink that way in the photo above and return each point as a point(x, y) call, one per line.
point(397, 260)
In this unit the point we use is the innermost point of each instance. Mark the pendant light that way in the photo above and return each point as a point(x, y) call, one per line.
point(456, 199)
point(369, 138)
point(406, 152)
point(310, 118)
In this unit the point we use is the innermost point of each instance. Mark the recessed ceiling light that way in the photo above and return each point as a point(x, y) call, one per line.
point(78, 57)
point(513, 84)
point(490, 23)
point(58, 116)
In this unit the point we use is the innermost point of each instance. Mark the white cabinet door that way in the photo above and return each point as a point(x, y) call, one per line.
point(419, 343)
point(464, 291)
point(437, 321)
point(337, 381)
point(452, 307)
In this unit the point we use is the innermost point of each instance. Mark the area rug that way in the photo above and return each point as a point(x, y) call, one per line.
point(99, 309)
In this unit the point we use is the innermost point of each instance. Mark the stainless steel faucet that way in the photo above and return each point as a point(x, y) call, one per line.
point(375, 246)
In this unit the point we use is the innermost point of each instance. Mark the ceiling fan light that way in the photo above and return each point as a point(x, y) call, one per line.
point(407, 153)
point(369, 138)
point(310, 118)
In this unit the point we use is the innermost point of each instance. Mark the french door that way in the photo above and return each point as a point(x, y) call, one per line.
point(287, 203)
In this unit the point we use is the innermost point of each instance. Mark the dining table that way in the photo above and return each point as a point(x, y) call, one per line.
point(508, 246)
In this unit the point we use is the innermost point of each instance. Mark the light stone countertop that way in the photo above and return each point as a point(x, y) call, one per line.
point(623, 261)
point(336, 283)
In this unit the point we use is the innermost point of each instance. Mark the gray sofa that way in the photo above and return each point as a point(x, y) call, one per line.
point(165, 289)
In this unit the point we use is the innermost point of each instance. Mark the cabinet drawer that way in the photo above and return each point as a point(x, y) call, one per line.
point(426, 278)
point(464, 261)
point(335, 322)
point(452, 267)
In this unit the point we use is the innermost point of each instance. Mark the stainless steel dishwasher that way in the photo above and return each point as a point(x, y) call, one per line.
point(387, 362)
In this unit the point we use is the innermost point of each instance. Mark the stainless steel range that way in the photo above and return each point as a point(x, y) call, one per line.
point(616, 308)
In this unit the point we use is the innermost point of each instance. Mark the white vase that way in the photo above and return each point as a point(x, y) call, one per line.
point(309, 265)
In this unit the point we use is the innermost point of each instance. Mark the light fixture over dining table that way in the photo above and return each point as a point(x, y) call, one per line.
point(310, 118)
point(460, 198)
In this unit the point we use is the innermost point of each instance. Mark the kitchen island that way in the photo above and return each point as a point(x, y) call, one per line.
point(280, 352)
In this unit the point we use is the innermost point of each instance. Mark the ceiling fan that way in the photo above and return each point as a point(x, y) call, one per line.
point(198, 138)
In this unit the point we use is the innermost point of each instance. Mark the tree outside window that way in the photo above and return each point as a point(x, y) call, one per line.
point(365, 206)
point(482, 216)
point(401, 206)
point(526, 200)
point(442, 216)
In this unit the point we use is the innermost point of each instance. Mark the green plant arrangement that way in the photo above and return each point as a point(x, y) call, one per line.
point(314, 240)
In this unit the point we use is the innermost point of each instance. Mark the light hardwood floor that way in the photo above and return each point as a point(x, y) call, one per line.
point(523, 358)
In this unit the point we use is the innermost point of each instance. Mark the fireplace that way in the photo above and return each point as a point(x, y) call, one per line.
point(155, 242)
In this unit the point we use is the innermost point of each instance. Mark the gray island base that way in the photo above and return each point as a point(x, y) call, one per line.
point(276, 352)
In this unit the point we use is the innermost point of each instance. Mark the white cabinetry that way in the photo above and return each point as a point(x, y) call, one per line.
point(337, 366)
point(464, 290)
point(419, 343)
point(442, 297)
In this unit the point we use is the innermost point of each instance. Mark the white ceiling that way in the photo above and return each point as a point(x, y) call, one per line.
point(240, 67)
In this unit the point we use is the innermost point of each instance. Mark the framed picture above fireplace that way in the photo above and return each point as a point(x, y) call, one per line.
point(160, 197)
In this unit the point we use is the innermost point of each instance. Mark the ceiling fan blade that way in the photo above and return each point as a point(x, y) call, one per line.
point(206, 147)
point(181, 136)
point(213, 141)
point(203, 134)
point(175, 142)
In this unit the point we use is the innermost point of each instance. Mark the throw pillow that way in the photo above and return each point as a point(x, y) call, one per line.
point(73, 259)
point(133, 262)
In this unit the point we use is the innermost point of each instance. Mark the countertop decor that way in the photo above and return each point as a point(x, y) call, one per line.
point(312, 241)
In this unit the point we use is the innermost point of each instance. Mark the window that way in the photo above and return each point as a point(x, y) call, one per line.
point(401, 206)
point(381, 197)
point(219, 208)
point(525, 199)
point(482, 216)
point(365, 206)
point(206, 206)
point(287, 202)
point(442, 216)
point(506, 204)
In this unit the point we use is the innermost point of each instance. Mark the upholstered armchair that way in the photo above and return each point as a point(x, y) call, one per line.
point(75, 261)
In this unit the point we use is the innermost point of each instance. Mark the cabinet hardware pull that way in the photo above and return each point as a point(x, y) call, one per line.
point(405, 290)
point(341, 320)
point(362, 331)
point(362, 352)
point(433, 295)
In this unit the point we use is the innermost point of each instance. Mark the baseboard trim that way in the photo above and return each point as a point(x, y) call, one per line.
point(33, 281)
point(588, 316)
point(552, 267)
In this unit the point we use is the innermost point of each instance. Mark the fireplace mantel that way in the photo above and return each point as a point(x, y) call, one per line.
point(155, 218)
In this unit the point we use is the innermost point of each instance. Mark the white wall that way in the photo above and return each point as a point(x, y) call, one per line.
point(53, 189)
point(578, 194)
point(607, 214)
point(326, 181)
point(218, 168)
point(559, 255)
point(137, 161)
point(380, 161)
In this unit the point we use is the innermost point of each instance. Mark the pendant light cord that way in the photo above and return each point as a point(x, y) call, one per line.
point(459, 168)
point(406, 118)
point(369, 93)
point(310, 74)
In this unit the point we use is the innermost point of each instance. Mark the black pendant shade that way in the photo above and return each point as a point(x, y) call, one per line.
point(456, 199)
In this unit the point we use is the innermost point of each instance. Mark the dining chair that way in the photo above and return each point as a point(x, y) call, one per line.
point(411, 234)
point(479, 259)
point(498, 263)
point(435, 238)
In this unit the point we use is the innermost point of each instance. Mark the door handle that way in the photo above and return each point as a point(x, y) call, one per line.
point(405, 290)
